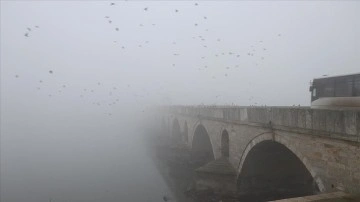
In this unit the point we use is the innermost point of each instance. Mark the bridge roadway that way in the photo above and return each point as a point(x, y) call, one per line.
point(271, 148)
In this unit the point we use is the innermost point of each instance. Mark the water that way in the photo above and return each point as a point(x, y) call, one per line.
point(83, 161)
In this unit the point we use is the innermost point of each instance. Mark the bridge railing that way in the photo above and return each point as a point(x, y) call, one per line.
point(345, 123)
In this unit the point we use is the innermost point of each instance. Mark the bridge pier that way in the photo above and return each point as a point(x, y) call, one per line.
point(218, 175)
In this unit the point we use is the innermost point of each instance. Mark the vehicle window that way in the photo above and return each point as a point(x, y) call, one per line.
point(356, 90)
point(343, 86)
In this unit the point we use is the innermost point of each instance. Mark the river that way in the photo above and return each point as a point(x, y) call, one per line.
point(82, 162)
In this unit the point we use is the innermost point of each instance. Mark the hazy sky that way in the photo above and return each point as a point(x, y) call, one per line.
point(303, 40)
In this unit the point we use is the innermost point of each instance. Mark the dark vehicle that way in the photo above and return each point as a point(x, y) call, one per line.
point(336, 92)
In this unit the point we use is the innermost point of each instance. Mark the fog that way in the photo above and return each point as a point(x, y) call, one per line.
point(78, 77)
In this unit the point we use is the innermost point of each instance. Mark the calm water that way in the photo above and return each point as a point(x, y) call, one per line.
point(86, 162)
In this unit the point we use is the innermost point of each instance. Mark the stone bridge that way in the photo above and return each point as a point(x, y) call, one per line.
point(267, 148)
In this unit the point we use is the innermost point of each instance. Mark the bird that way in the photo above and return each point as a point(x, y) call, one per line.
point(50, 71)
point(176, 10)
point(110, 21)
point(146, 8)
point(196, 24)
point(117, 29)
point(36, 26)
point(16, 76)
point(279, 35)
point(40, 81)
point(26, 34)
point(29, 29)
point(64, 86)
point(112, 4)
point(205, 17)
point(196, 4)
point(106, 16)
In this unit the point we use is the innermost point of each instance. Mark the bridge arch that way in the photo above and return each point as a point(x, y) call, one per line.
point(269, 162)
point(176, 132)
point(225, 144)
point(201, 148)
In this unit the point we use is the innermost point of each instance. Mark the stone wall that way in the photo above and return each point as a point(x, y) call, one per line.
point(342, 124)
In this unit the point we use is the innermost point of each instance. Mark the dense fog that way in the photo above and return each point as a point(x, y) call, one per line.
point(78, 78)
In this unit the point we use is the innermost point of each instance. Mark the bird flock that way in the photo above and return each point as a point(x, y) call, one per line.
point(257, 53)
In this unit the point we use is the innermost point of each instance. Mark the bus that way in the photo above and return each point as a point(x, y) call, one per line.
point(336, 92)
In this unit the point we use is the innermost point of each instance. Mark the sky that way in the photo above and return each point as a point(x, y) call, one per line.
point(77, 76)
point(175, 52)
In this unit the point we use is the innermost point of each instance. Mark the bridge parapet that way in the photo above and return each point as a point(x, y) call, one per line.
point(342, 124)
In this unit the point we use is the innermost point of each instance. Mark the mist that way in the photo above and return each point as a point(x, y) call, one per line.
point(80, 78)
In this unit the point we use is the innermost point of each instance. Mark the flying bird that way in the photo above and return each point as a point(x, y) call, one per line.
point(50, 71)
point(110, 21)
point(117, 29)
point(176, 10)
point(29, 29)
point(146, 8)
point(16, 76)
point(112, 4)
point(26, 34)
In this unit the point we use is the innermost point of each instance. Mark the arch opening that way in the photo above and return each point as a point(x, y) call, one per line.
point(271, 171)
point(163, 126)
point(201, 150)
point(175, 132)
point(225, 149)
point(185, 134)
